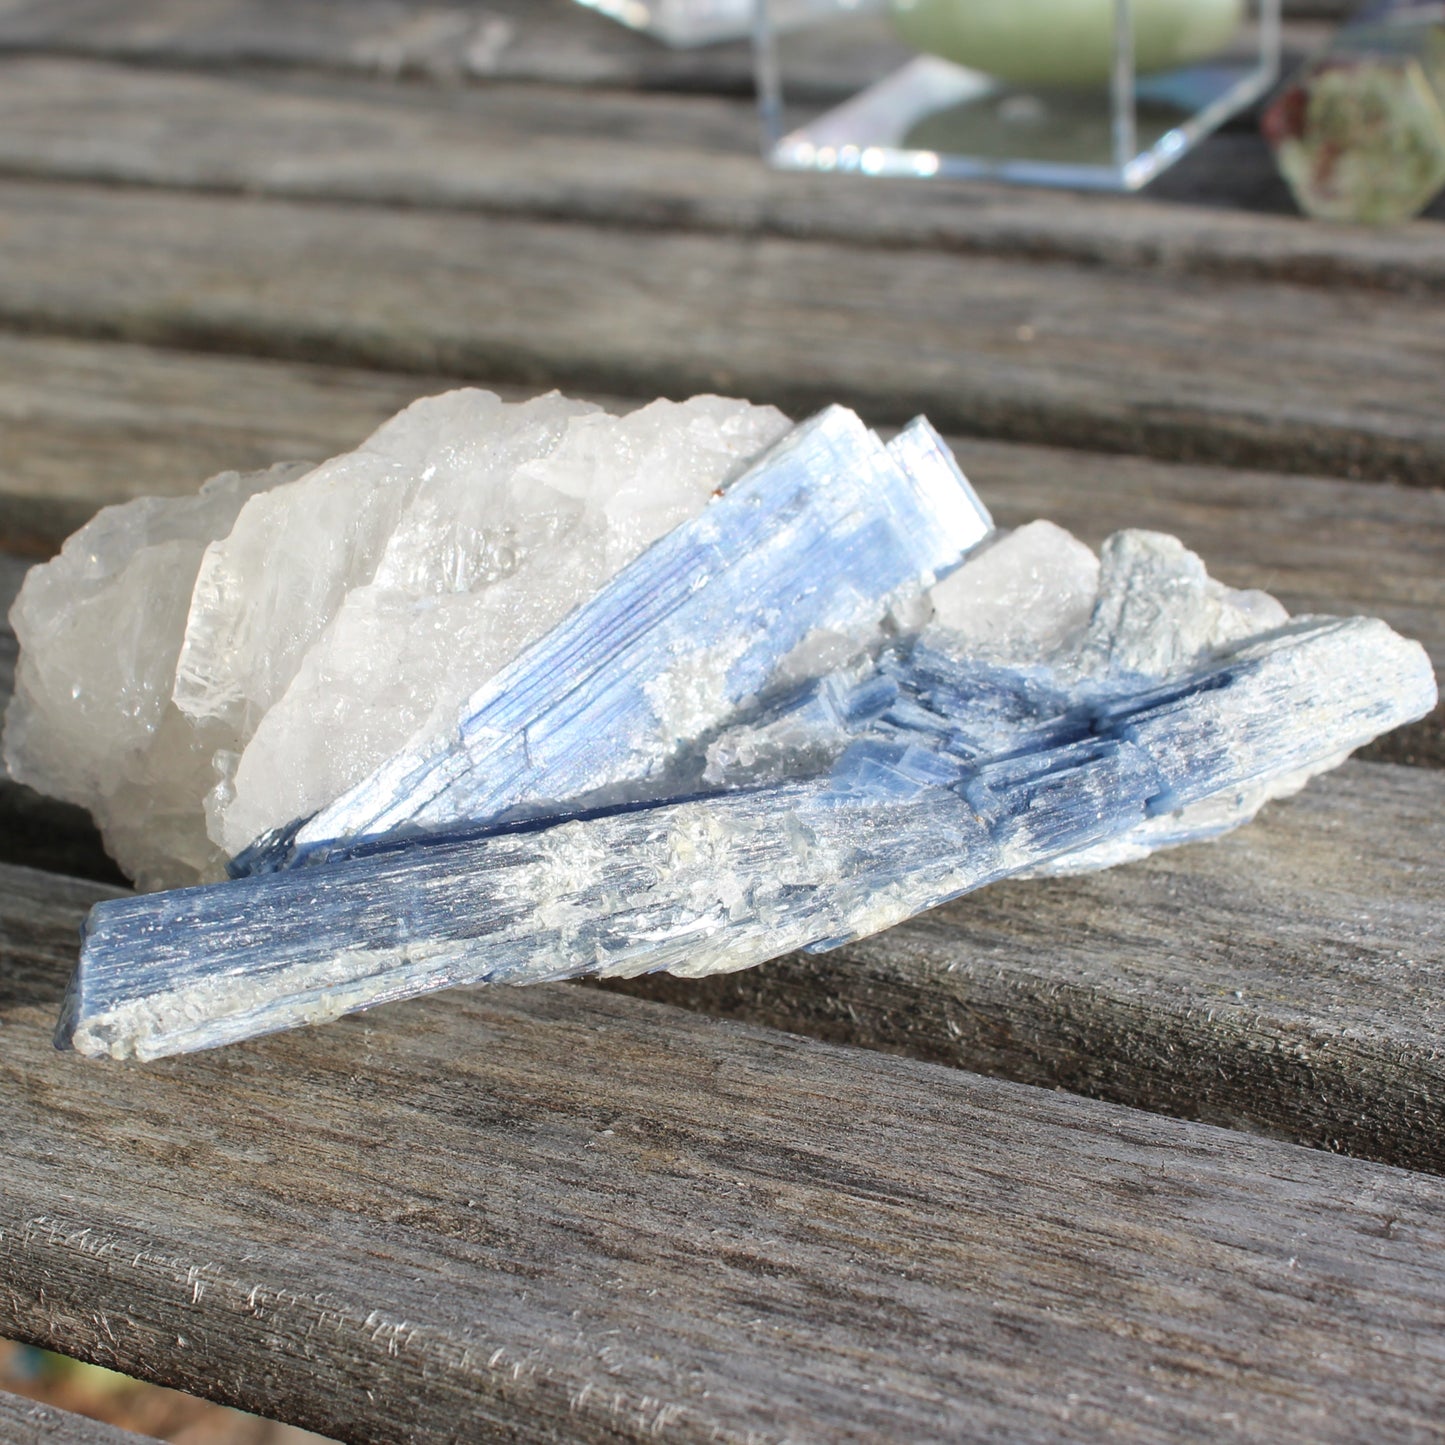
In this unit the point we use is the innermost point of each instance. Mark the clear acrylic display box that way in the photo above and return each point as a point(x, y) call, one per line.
point(924, 116)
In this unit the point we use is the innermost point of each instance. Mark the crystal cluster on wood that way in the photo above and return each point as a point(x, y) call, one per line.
point(197, 672)
point(686, 689)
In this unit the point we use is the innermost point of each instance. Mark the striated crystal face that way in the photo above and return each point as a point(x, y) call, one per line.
point(829, 541)
point(197, 672)
point(947, 774)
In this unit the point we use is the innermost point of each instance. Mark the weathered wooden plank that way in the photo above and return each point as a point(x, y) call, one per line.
point(1286, 979)
point(553, 41)
point(533, 40)
point(12, 573)
point(26, 1422)
point(528, 40)
point(555, 1213)
point(645, 160)
point(87, 424)
point(83, 425)
point(1237, 372)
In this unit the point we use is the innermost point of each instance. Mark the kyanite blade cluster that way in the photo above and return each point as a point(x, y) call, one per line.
point(827, 534)
point(904, 820)
point(548, 692)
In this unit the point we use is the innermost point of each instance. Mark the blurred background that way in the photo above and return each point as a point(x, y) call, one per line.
point(146, 1409)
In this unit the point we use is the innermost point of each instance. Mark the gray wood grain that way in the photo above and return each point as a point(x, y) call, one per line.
point(26, 1422)
point(649, 160)
point(1244, 373)
point(12, 574)
point(554, 41)
point(85, 425)
point(532, 40)
point(557, 1214)
point(528, 40)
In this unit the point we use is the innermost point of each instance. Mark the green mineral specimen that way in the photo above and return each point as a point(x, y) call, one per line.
point(1359, 134)
point(1065, 42)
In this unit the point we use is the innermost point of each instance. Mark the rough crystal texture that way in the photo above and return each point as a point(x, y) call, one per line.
point(1022, 599)
point(826, 537)
point(907, 817)
point(574, 694)
point(92, 721)
point(197, 672)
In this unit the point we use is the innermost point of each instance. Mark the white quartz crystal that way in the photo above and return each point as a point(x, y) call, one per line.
point(506, 518)
point(92, 721)
point(1144, 607)
point(198, 671)
point(1024, 598)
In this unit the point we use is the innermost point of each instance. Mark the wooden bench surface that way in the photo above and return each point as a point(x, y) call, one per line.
point(757, 1207)
point(1317, 378)
point(27, 1422)
point(567, 1214)
point(458, 40)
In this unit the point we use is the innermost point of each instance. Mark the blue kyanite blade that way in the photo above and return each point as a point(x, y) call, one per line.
point(906, 817)
point(826, 531)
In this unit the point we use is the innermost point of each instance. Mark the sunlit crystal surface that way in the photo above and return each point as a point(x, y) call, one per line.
point(199, 671)
point(92, 720)
point(829, 535)
point(533, 691)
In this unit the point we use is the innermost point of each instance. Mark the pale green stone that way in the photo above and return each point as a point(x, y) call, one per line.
point(1064, 42)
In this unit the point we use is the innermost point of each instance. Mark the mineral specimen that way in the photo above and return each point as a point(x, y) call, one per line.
point(197, 672)
point(756, 720)
point(1359, 133)
point(826, 537)
point(910, 815)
